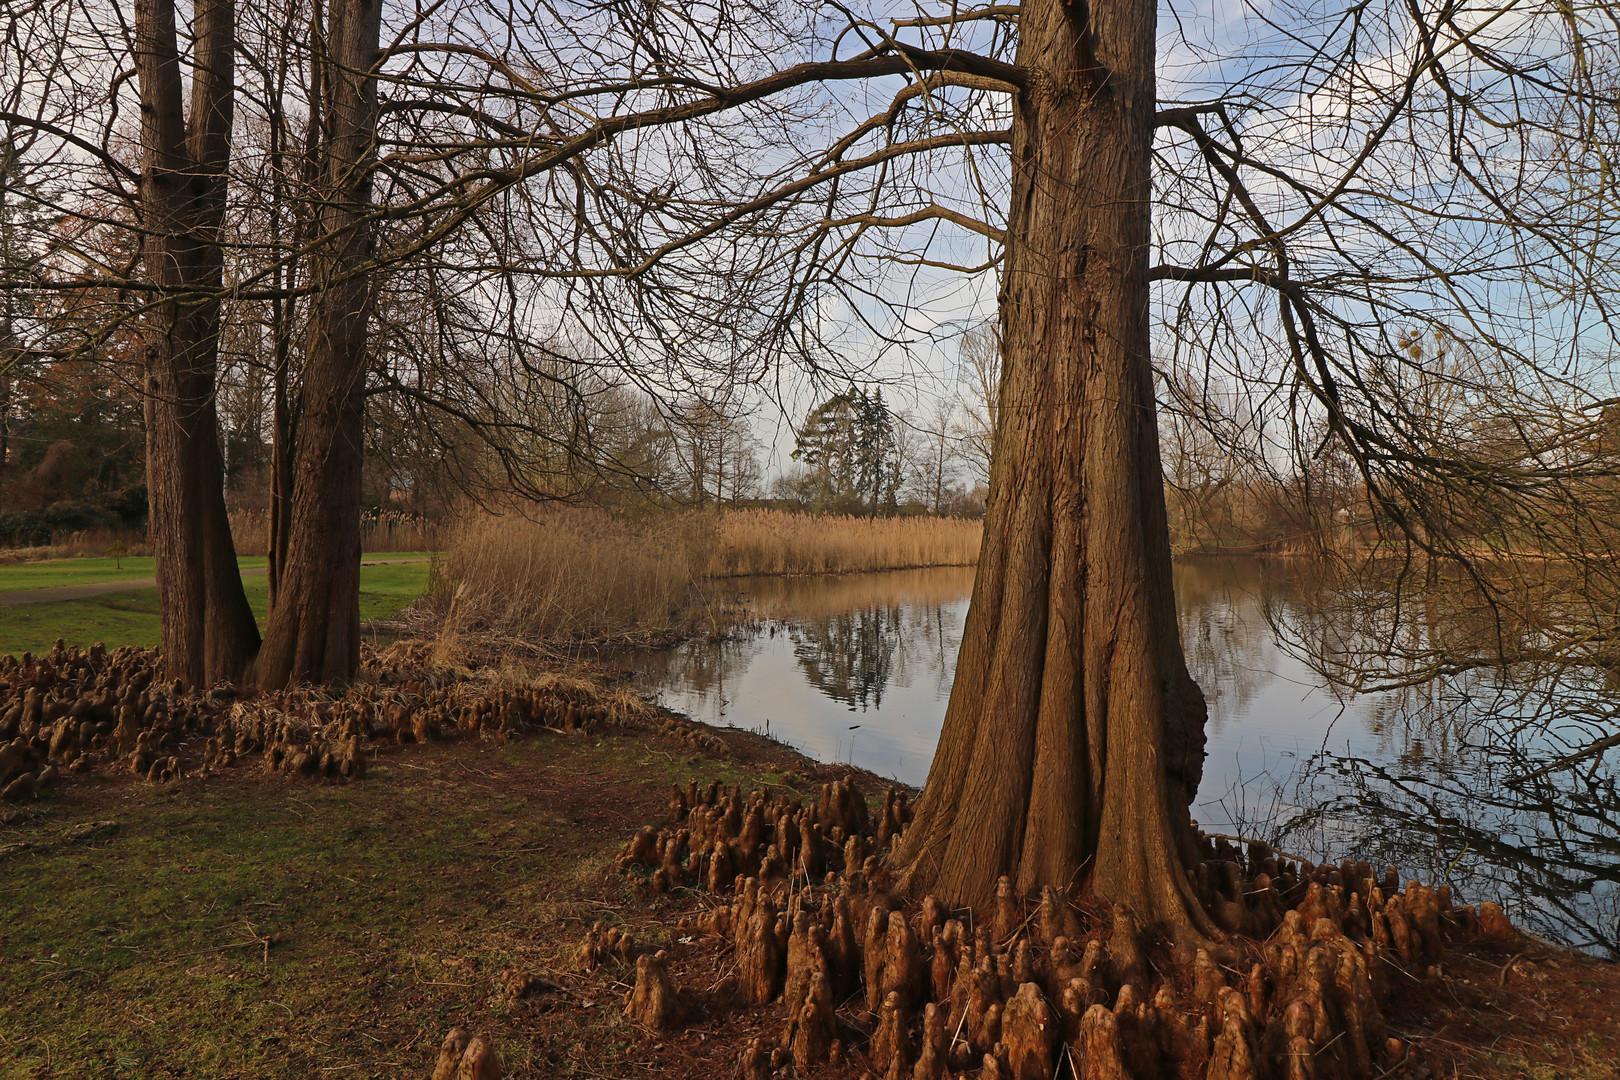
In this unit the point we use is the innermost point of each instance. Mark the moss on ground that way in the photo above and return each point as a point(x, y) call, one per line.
point(246, 927)
point(131, 618)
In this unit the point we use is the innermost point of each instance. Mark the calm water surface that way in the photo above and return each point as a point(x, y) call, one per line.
point(859, 669)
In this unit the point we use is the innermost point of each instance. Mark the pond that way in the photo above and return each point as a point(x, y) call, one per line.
point(1430, 778)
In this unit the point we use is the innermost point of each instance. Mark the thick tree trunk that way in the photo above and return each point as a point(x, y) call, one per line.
point(314, 632)
point(1073, 742)
point(208, 630)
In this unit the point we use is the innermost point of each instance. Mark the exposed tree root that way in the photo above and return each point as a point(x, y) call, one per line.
point(604, 943)
point(467, 1057)
point(73, 711)
point(1044, 986)
point(653, 1002)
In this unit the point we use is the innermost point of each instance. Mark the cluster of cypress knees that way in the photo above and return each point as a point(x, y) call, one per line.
point(873, 983)
point(73, 710)
point(76, 710)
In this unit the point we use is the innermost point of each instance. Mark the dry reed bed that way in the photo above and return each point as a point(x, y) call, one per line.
point(777, 542)
point(389, 530)
point(570, 576)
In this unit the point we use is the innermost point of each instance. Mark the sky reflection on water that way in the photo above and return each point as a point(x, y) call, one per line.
point(859, 669)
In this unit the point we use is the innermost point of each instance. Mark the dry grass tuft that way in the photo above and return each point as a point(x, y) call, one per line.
point(777, 542)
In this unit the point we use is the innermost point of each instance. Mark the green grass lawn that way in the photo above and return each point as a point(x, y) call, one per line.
point(43, 575)
point(131, 618)
point(255, 927)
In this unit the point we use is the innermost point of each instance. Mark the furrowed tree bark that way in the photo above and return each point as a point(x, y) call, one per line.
point(314, 631)
point(208, 630)
point(1073, 741)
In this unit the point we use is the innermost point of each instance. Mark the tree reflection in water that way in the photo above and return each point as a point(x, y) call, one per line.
point(850, 657)
point(815, 650)
point(1548, 849)
point(1481, 778)
point(1433, 777)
